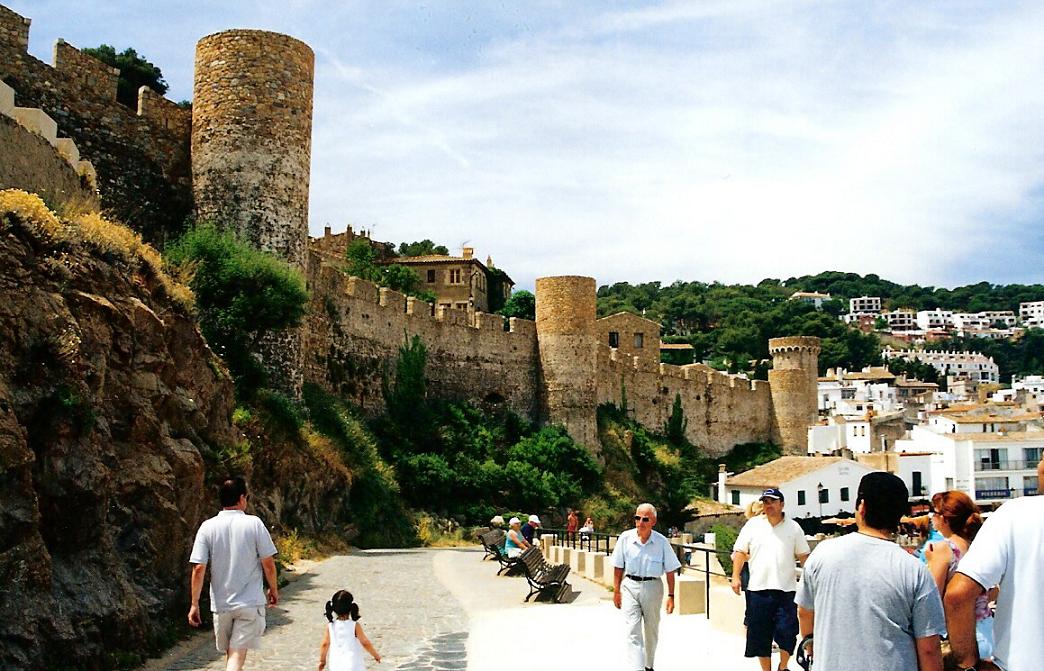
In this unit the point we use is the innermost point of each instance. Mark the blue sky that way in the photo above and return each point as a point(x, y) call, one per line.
point(727, 141)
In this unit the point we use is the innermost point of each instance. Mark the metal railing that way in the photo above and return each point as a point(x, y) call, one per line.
point(595, 542)
point(1008, 465)
point(592, 542)
point(1029, 491)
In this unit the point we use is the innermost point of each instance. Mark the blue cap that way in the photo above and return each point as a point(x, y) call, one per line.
point(772, 493)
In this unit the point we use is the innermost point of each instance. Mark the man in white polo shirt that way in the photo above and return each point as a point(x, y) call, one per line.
point(238, 549)
point(640, 557)
point(771, 543)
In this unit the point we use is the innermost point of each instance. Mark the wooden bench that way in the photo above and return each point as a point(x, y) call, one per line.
point(499, 553)
point(543, 577)
point(490, 540)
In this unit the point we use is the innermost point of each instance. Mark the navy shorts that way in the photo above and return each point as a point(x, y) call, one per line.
point(771, 616)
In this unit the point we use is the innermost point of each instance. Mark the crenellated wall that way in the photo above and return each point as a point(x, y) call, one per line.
point(722, 410)
point(354, 332)
point(141, 156)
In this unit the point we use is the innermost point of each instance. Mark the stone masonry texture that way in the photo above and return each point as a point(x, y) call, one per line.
point(33, 165)
point(141, 156)
point(795, 362)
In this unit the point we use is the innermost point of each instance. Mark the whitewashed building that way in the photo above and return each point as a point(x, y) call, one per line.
point(815, 298)
point(903, 319)
point(1032, 313)
point(811, 486)
point(1031, 386)
point(970, 365)
point(934, 320)
point(864, 305)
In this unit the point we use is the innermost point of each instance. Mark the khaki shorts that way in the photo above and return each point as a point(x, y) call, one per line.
point(239, 629)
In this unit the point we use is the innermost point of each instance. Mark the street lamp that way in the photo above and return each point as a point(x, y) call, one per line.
point(819, 489)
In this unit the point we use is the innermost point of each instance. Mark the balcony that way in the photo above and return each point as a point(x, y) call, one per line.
point(984, 494)
point(1029, 491)
point(1010, 465)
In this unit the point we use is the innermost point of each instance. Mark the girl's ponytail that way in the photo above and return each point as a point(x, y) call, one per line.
point(329, 611)
point(355, 611)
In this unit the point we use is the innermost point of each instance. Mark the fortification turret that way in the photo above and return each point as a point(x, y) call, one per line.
point(792, 380)
point(251, 155)
point(252, 138)
point(566, 338)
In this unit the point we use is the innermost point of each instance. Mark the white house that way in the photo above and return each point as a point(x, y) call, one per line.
point(902, 319)
point(811, 486)
point(864, 305)
point(934, 320)
point(970, 365)
point(1032, 385)
point(989, 467)
point(1032, 313)
point(813, 297)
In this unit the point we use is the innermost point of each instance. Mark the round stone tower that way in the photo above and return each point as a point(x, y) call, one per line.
point(251, 157)
point(252, 138)
point(566, 338)
point(792, 380)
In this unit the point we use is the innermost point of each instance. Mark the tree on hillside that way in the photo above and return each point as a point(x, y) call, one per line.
point(242, 294)
point(135, 72)
point(363, 261)
point(522, 304)
point(422, 248)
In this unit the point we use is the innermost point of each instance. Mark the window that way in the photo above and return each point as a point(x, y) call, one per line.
point(455, 276)
point(801, 497)
point(1030, 485)
point(847, 394)
point(844, 494)
point(824, 496)
point(614, 339)
point(735, 497)
point(639, 340)
point(918, 485)
point(462, 306)
point(1032, 456)
point(431, 277)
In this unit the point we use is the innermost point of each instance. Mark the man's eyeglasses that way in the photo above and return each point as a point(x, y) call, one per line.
point(639, 518)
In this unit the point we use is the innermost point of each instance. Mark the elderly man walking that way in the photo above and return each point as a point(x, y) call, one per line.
point(771, 543)
point(1009, 551)
point(238, 549)
point(640, 557)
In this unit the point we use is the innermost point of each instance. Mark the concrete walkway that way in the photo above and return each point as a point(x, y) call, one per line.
point(446, 609)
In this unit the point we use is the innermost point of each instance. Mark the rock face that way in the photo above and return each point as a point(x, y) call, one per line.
point(109, 401)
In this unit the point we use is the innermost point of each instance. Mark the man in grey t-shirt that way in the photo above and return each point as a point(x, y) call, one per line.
point(238, 549)
point(870, 605)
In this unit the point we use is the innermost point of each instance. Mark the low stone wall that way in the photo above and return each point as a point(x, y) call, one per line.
point(29, 162)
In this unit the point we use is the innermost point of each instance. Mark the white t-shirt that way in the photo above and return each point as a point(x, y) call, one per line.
point(772, 551)
point(1009, 551)
point(233, 545)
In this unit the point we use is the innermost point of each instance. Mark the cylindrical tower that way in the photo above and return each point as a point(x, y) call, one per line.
point(792, 380)
point(251, 156)
point(566, 338)
point(252, 138)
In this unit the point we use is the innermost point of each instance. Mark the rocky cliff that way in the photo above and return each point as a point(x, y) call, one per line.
point(109, 398)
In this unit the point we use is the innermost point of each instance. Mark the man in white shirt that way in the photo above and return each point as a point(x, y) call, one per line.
point(238, 549)
point(1008, 551)
point(771, 543)
point(640, 557)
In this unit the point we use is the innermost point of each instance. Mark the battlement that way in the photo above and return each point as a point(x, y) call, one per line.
point(78, 93)
point(794, 344)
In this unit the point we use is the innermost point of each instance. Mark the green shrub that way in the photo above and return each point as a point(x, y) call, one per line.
point(279, 413)
point(724, 539)
point(242, 295)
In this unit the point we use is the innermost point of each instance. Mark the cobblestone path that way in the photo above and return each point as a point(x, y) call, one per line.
point(413, 621)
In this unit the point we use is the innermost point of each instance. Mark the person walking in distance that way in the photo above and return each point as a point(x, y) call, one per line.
point(1009, 551)
point(640, 557)
point(770, 543)
point(868, 604)
point(239, 550)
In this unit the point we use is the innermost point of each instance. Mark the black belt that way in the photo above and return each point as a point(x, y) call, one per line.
point(642, 579)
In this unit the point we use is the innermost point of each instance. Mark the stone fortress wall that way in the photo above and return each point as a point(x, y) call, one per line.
point(355, 329)
point(37, 160)
point(141, 156)
point(250, 131)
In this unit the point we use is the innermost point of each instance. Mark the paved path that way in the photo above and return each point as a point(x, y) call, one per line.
point(444, 610)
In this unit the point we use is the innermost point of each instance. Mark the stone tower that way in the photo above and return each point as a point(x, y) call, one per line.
point(567, 341)
point(252, 138)
point(251, 156)
point(792, 380)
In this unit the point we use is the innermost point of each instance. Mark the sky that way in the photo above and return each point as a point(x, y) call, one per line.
point(654, 141)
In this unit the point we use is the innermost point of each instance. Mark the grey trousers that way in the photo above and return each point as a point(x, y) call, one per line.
point(641, 603)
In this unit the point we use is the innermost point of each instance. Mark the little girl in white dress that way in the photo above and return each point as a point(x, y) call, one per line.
point(344, 641)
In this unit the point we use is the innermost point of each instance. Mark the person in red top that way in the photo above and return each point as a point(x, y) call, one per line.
point(572, 522)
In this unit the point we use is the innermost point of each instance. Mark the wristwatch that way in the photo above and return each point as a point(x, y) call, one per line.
point(971, 668)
